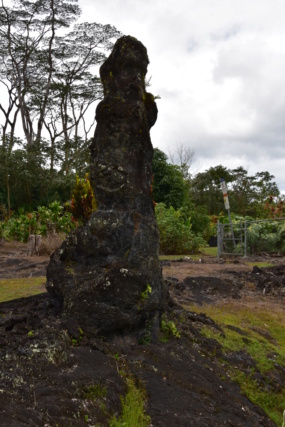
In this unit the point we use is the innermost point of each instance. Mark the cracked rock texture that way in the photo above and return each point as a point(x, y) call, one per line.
point(107, 273)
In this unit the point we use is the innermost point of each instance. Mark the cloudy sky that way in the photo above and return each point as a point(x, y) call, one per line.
point(219, 68)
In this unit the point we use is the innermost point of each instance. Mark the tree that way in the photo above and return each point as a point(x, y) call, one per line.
point(206, 188)
point(169, 186)
point(241, 191)
point(27, 36)
point(75, 88)
point(48, 74)
point(183, 156)
point(265, 186)
point(246, 193)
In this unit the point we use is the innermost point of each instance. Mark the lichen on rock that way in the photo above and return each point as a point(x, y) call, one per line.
point(114, 256)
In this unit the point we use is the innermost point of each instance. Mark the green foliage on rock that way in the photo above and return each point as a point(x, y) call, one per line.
point(168, 329)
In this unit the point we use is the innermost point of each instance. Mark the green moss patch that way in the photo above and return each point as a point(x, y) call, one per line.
point(256, 333)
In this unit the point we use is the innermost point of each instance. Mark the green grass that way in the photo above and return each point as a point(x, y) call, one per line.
point(172, 257)
point(206, 251)
point(210, 251)
point(272, 403)
point(21, 287)
point(259, 264)
point(133, 412)
point(262, 335)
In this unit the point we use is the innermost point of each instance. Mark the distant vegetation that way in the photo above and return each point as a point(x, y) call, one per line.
point(187, 207)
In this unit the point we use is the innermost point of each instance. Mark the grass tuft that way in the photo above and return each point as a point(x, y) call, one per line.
point(133, 412)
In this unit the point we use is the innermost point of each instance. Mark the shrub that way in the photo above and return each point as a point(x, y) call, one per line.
point(266, 237)
point(200, 220)
point(83, 202)
point(176, 236)
point(20, 227)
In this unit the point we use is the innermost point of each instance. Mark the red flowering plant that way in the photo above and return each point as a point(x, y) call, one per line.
point(273, 208)
point(83, 202)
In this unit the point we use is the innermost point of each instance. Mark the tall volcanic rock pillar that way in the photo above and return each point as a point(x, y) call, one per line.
point(107, 273)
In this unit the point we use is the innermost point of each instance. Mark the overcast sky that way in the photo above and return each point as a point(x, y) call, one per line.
point(219, 68)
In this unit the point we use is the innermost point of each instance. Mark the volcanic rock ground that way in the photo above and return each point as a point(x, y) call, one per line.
point(47, 364)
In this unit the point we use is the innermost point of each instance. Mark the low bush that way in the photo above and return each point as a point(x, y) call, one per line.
point(176, 236)
point(20, 226)
point(266, 237)
point(83, 201)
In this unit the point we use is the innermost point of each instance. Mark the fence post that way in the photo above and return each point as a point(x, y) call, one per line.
point(245, 239)
point(34, 244)
point(38, 243)
point(31, 245)
point(219, 239)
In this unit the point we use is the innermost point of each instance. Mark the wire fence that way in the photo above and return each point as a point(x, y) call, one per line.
point(251, 237)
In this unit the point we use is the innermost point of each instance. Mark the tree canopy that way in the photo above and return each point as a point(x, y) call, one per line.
point(48, 71)
point(169, 186)
point(246, 192)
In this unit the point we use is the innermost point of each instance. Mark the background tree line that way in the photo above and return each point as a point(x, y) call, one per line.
point(247, 193)
point(48, 73)
point(188, 206)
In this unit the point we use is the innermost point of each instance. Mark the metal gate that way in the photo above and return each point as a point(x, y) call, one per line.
point(238, 238)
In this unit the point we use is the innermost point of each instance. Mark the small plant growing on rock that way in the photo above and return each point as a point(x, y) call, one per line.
point(95, 391)
point(146, 336)
point(75, 342)
point(168, 329)
point(146, 293)
point(83, 202)
point(133, 411)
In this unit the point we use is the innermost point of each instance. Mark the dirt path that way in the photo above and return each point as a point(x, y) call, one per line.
point(15, 262)
point(210, 279)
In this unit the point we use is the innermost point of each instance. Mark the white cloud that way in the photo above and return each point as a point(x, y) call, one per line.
point(219, 68)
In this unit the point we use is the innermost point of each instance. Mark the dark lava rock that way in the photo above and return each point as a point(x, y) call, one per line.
point(107, 274)
point(46, 375)
point(270, 280)
point(205, 289)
